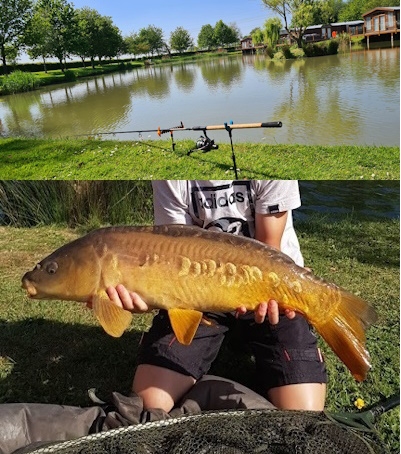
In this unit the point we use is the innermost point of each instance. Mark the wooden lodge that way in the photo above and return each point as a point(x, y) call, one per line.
point(382, 21)
point(377, 22)
point(247, 46)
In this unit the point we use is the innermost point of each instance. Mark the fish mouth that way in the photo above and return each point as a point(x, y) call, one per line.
point(30, 288)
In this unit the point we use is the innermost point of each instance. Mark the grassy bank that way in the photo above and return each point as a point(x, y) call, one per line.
point(106, 159)
point(54, 351)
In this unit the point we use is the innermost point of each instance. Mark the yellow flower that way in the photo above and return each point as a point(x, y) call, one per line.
point(359, 403)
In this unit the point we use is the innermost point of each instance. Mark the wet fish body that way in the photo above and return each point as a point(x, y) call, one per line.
point(187, 271)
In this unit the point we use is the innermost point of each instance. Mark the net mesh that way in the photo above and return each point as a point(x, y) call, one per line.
point(228, 432)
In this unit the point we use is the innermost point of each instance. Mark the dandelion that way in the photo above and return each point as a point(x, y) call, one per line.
point(359, 403)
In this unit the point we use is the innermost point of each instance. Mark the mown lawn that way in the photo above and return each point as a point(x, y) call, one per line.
point(53, 352)
point(84, 159)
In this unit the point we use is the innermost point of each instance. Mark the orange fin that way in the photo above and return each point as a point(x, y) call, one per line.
point(184, 322)
point(113, 319)
point(345, 333)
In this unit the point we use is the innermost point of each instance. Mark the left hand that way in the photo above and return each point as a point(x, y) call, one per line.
point(269, 309)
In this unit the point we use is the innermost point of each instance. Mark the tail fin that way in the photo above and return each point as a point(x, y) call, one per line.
point(345, 333)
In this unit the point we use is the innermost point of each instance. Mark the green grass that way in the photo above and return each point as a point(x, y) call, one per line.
point(53, 352)
point(106, 159)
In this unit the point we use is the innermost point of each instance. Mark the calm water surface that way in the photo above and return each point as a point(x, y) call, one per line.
point(351, 99)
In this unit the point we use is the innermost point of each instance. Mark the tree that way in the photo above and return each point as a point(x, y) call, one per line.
point(97, 36)
point(180, 39)
point(111, 43)
point(153, 37)
point(135, 46)
point(14, 19)
point(272, 29)
point(354, 9)
point(258, 36)
point(224, 34)
point(88, 34)
point(327, 11)
point(206, 37)
point(38, 37)
point(301, 12)
point(60, 16)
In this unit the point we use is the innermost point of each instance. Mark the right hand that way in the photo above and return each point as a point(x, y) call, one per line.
point(268, 309)
point(130, 301)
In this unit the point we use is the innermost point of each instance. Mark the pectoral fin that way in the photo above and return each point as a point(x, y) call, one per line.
point(184, 323)
point(113, 319)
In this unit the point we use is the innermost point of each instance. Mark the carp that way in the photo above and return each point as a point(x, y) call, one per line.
point(187, 271)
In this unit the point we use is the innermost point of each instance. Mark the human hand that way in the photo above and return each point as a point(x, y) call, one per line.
point(269, 309)
point(125, 299)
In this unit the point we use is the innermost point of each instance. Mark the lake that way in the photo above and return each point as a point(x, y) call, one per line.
point(351, 99)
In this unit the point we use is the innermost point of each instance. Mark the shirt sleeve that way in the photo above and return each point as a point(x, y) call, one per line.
point(170, 202)
point(276, 196)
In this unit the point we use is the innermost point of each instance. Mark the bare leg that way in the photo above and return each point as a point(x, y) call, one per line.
point(160, 387)
point(302, 396)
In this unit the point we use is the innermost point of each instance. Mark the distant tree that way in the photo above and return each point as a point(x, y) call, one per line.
point(354, 9)
point(60, 17)
point(258, 37)
point(272, 29)
point(153, 37)
point(206, 37)
point(236, 31)
point(135, 46)
point(14, 19)
point(11, 53)
point(327, 11)
point(300, 12)
point(89, 36)
point(180, 39)
point(112, 43)
point(224, 34)
point(38, 37)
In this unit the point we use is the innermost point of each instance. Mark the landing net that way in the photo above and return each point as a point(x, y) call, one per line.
point(229, 432)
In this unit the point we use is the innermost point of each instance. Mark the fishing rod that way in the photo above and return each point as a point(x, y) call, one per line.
point(181, 127)
point(204, 143)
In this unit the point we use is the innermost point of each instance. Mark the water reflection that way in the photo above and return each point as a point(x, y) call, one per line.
point(184, 77)
point(342, 99)
point(222, 74)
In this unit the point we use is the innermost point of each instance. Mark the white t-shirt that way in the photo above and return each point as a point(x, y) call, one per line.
point(228, 206)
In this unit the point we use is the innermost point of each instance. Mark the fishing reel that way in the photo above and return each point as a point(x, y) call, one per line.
point(204, 144)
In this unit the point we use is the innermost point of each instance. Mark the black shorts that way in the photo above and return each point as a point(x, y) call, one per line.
point(285, 353)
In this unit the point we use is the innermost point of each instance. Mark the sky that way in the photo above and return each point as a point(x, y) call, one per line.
point(132, 15)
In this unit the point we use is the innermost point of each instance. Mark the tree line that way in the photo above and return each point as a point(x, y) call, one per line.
point(55, 29)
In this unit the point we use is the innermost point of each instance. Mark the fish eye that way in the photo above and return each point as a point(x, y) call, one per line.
point(51, 268)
